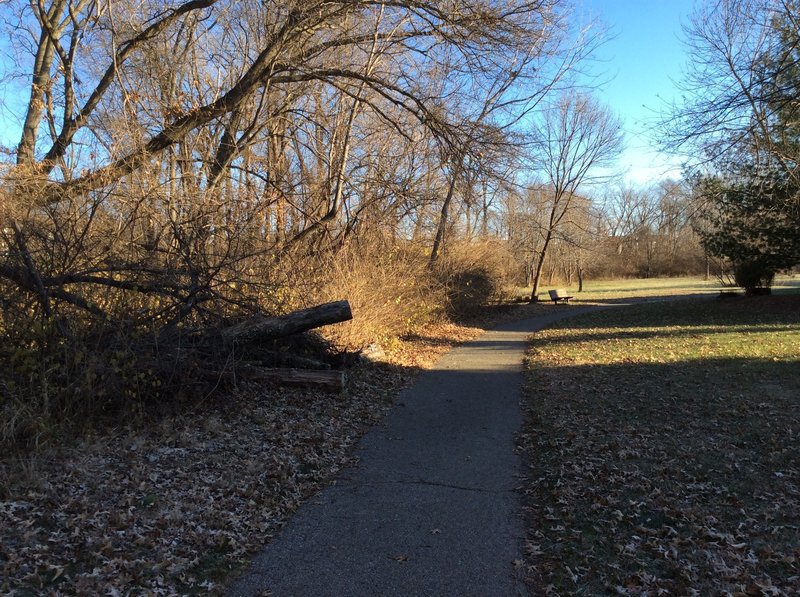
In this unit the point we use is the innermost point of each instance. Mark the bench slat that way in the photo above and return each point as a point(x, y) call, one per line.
point(559, 294)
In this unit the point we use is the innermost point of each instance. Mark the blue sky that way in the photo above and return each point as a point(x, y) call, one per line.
point(643, 60)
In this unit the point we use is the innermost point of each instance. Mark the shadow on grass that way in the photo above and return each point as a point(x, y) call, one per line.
point(688, 471)
point(678, 317)
point(628, 462)
point(676, 391)
point(684, 332)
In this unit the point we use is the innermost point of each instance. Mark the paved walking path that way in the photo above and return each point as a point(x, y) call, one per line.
point(431, 507)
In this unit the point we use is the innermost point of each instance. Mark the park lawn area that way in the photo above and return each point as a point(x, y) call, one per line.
point(661, 442)
point(621, 290)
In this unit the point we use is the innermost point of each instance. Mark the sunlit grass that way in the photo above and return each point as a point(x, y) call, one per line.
point(603, 290)
point(610, 289)
point(678, 332)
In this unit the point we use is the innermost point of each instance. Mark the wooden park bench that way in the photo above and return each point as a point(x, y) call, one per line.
point(559, 295)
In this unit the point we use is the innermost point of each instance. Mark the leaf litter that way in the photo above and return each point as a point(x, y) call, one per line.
point(662, 453)
point(179, 507)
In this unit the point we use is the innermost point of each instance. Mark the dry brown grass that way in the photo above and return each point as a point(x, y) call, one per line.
point(390, 290)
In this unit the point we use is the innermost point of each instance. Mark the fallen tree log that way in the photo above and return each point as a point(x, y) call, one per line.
point(333, 381)
point(259, 326)
point(276, 358)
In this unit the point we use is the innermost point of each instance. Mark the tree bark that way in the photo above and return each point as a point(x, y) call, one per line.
point(443, 217)
point(327, 380)
point(41, 80)
point(263, 327)
point(537, 273)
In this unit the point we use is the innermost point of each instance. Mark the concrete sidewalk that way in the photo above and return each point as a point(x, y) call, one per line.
point(431, 507)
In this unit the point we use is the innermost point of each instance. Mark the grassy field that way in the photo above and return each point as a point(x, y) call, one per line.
point(662, 441)
point(603, 290)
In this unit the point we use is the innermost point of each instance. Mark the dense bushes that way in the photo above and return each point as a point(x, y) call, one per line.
point(753, 275)
point(394, 290)
point(75, 370)
point(389, 286)
point(474, 275)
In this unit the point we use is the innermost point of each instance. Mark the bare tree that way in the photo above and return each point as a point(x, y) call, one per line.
point(578, 137)
point(169, 151)
point(741, 112)
point(488, 119)
point(742, 54)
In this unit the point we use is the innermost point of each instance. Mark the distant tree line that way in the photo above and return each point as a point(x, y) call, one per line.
point(627, 232)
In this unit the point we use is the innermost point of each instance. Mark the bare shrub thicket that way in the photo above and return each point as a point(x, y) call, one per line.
point(475, 275)
point(390, 287)
point(181, 164)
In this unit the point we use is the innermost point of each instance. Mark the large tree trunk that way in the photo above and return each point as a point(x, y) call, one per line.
point(260, 326)
point(41, 81)
point(538, 271)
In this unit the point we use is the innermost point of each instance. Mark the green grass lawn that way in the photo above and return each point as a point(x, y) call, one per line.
point(662, 441)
